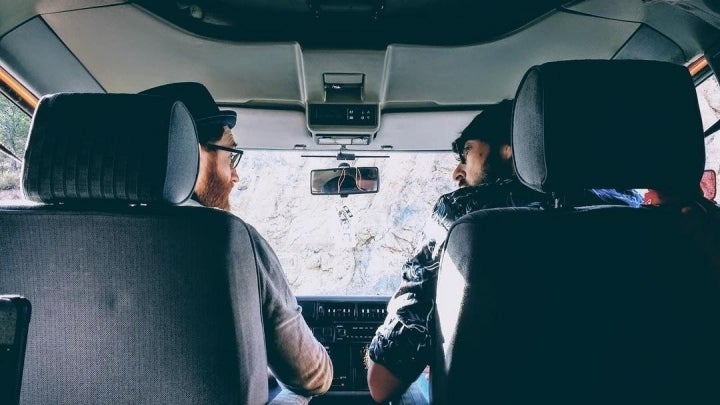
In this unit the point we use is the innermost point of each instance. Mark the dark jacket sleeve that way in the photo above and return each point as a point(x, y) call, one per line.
point(403, 343)
point(295, 357)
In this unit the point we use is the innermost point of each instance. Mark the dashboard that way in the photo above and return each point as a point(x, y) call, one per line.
point(346, 327)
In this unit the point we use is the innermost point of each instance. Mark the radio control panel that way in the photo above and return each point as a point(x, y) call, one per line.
point(345, 326)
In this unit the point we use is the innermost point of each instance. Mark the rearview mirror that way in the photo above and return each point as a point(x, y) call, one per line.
point(345, 180)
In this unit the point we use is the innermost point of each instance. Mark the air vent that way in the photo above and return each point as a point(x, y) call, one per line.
point(333, 139)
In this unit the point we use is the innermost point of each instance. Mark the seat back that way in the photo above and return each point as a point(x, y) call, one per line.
point(14, 319)
point(585, 305)
point(136, 299)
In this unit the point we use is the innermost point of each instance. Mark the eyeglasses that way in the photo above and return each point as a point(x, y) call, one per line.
point(235, 154)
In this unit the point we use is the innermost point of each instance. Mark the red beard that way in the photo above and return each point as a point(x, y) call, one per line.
point(216, 192)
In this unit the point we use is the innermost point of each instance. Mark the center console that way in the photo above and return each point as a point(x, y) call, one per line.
point(345, 326)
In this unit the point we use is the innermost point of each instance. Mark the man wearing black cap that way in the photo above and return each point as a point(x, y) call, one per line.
point(485, 177)
point(297, 359)
point(218, 153)
point(401, 348)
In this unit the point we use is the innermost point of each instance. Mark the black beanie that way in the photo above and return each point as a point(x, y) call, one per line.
point(491, 126)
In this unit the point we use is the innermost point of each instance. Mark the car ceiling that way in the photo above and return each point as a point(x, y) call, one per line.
point(427, 64)
point(368, 24)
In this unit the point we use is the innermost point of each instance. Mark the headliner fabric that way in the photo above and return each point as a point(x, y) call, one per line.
point(607, 124)
point(111, 147)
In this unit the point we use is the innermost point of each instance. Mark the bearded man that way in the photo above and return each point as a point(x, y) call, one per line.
point(298, 361)
point(402, 345)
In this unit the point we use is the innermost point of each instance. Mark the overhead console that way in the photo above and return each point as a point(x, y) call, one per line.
point(343, 117)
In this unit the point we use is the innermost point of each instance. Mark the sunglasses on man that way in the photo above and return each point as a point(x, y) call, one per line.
point(235, 154)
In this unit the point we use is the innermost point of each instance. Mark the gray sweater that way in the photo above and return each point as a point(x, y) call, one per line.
point(295, 357)
point(298, 361)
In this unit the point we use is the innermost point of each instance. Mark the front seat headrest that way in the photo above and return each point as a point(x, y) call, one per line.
point(608, 124)
point(110, 147)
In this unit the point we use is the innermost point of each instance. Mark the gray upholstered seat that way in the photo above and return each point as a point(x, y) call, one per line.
point(586, 305)
point(135, 298)
point(14, 319)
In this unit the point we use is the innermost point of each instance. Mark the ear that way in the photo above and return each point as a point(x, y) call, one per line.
point(506, 152)
point(205, 157)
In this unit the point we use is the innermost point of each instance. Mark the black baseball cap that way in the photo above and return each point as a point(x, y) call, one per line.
point(199, 102)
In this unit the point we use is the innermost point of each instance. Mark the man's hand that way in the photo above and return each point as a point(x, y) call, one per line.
point(383, 384)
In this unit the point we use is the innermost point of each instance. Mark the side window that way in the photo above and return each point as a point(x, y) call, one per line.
point(14, 126)
point(708, 93)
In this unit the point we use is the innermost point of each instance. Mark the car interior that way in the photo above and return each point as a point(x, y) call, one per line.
point(346, 112)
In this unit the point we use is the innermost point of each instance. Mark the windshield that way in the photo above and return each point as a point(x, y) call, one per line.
point(329, 245)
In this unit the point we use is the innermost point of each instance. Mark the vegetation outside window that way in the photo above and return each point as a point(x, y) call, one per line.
point(14, 127)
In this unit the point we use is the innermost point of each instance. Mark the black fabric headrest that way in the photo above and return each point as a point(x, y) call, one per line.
point(110, 147)
point(608, 124)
